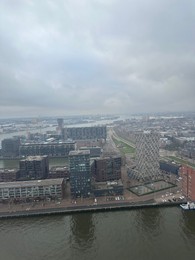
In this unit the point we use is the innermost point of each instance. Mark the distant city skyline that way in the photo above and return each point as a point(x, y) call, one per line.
point(78, 57)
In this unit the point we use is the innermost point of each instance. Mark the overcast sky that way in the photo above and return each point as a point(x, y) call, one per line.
point(68, 57)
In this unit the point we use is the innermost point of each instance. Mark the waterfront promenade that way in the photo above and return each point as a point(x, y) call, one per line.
point(129, 200)
point(55, 208)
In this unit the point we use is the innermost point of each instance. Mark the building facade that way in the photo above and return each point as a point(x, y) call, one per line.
point(188, 182)
point(147, 155)
point(34, 168)
point(169, 167)
point(59, 172)
point(107, 169)
point(10, 147)
point(85, 133)
point(60, 126)
point(7, 175)
point(80, 173)
point(39, 189)
point(109, 188)
point(51, 149)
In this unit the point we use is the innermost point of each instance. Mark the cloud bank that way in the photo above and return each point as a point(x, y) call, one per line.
point(96, 56)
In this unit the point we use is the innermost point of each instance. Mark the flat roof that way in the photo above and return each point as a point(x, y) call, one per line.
point(89, 147)
point(109, 157)
point(49, 143)
point(79, 152)
point(108, 184)
point(59, 168)
point(34, 158)
point(6, 170)
point(18, 184)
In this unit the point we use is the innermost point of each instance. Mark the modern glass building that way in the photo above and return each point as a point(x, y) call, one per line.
point(80, 173)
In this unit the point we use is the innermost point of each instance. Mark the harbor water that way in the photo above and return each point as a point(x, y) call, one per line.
point(155, 233)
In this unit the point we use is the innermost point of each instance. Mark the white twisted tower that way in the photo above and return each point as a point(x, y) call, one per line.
point(147, 155)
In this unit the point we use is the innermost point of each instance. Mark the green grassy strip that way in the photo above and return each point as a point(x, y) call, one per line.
point(125, 141)
point(123, 147)
point(181, 161)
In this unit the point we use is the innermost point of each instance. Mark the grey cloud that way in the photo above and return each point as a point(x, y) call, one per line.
point(96, 56)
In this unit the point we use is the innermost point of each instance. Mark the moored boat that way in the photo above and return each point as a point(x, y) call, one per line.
point(188, 206)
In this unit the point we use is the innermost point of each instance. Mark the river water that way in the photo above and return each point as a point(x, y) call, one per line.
point(160, 233)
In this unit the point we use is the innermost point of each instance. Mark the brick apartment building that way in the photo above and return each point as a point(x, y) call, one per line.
point(34, 168)
point(107, 169)
point(188, 182)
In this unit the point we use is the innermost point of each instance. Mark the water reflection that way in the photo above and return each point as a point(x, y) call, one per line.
point(9, 163)
point(82, 228)
point(148, 220)
point(188, 223)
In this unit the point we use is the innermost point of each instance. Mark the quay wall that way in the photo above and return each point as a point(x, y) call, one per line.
point(90, 208)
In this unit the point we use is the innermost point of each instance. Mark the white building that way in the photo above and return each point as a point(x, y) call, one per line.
point(32, 189)
point(147, 155)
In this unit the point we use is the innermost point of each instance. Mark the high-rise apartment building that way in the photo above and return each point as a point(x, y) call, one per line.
point(34, 168)
point(107, 169)
point(147, 155)
point(60, 122)
point(80, 173)
point(188, 182)
point(10, 147)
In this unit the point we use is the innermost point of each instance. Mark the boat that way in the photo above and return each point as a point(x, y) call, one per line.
point(188, 206)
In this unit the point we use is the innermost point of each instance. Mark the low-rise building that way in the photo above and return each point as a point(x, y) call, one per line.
point(7, 175)
point(85, 133)
point(39, 189)
point(169, 167)
point(108, 188)
point(51, 149)
point(59, 172)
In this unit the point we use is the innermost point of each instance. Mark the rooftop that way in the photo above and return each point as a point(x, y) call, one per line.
point(34, 158)
point(59, 168)
point(18, 184)
point(79, 152)
point(5, 170)
point(108, 184)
